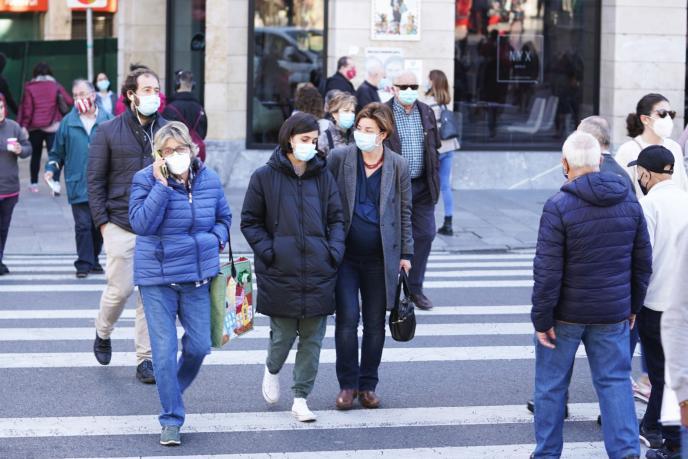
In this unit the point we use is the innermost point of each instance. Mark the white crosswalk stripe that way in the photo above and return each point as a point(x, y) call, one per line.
point(461, 334)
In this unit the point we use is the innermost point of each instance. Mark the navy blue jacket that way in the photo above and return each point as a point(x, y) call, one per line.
point(594, 259)
point(295, 227)
point(179, 234)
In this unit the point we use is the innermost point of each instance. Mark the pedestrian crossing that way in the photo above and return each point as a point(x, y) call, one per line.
point(457, 390)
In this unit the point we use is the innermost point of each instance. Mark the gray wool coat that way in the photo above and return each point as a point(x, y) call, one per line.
point(395, 206)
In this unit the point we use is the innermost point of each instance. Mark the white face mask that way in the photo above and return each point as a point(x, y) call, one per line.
point(148, 104)
point(304, 151)
point(663, 126)
point(178, 163)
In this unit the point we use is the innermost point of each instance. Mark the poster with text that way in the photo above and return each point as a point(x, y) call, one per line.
point(396, 20)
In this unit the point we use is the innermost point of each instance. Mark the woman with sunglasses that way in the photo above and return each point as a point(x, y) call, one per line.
point(375, 188)
point(651, 124)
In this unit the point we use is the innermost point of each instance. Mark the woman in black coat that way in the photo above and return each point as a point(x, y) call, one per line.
point(292, 218)
point(375, 187)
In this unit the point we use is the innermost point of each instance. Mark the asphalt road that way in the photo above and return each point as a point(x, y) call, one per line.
point(457, 390)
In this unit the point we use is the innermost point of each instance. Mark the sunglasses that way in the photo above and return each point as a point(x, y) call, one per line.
point(664, 113)
point(404, 87)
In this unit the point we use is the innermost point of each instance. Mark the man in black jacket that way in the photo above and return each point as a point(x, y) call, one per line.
point(341, 80)
point(417, 139)
point(120, 148)
point(185, 107)
point(367, 92)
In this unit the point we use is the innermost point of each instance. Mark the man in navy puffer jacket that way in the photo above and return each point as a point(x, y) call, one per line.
point(592, 267)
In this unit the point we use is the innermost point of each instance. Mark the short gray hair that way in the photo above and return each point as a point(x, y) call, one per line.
point(88, 84)
point(597, 127)
point(174, 130)
point(582, 150)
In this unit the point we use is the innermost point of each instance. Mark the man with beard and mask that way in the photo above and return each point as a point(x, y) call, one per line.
point(651, 124)
point(70, 151)
point(664, 206)
point(120, 148)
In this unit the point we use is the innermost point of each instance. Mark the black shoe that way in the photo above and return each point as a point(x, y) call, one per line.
point(531, 407)
point(4, 269)
point(421, 301)
point(663, 453)
point(651, 438)
point(144, 372)
point(97, 269)
point(81, 274)
point(599, 419)
point(102, 348)
point(446, 229)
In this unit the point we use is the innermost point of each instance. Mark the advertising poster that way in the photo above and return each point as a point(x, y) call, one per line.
point(396, 20)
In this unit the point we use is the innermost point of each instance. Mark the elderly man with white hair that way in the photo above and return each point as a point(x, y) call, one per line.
point(417, 139)
point(592, 267)
point(367, 92)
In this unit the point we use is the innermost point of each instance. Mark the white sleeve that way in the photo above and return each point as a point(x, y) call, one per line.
point(650, 218)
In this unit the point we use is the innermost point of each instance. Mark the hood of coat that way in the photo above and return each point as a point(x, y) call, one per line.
point(601, 189)
point(280, 162)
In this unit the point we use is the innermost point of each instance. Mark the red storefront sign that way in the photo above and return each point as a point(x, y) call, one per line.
point(23, 6)
point(111, 6)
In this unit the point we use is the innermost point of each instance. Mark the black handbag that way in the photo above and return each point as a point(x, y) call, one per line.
point(62, 105)
point(402, 319)
point(448, 128)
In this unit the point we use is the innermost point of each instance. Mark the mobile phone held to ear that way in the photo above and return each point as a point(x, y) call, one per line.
point(163, 168)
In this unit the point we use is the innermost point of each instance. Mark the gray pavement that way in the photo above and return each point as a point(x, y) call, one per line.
point(487, 220)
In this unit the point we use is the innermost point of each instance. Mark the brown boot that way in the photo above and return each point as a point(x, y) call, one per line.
point(345, 399)
point(368, 399)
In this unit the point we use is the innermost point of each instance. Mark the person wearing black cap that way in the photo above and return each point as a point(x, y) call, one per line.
point(665, 207)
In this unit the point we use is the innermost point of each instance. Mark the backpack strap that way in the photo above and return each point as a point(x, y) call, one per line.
point(198, 120)
point(178, 113)
point(330, 140)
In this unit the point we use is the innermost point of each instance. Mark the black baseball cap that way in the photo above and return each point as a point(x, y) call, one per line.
point(655, 158)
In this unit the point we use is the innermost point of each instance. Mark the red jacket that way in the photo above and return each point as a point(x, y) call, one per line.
point(38, 106)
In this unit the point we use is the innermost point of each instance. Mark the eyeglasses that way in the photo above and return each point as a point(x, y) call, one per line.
point(404, 87)
point(664, 113)
point(180, 150)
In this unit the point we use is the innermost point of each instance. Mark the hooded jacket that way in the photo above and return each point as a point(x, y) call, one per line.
point(38, 107)
point(179, 231)
point(295, 227)
point(593, 259)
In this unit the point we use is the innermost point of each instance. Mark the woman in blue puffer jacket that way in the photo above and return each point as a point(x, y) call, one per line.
point(178, 210)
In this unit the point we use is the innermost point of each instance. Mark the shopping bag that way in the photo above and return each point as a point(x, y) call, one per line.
point(231, 293)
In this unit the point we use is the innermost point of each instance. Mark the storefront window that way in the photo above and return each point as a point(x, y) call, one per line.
point(287, 41)
point(186, 43)
point(525, 71)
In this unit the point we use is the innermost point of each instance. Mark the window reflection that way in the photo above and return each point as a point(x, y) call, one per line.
point(288, 50)
point(525, 70)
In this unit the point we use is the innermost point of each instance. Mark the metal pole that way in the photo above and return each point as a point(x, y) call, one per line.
point(89, 43)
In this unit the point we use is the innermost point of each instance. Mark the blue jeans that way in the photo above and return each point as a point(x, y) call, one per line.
point(162, 305)
point(684, 441)
point(607, 347)
point(368, 277)
point(445, 183)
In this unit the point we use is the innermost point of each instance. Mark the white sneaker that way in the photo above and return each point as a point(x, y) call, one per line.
point(271, 387)
point(301, 412)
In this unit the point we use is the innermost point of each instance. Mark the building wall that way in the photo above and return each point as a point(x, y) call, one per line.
point(643, 50)
point(350, 23)
point(57, 22)
point(141, 28)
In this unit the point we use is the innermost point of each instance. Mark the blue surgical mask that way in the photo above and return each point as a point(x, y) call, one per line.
point(408, 96)
point(365, 141)
point(103, 85)
point(346, 120)
point(304, 151)
point(384, 84)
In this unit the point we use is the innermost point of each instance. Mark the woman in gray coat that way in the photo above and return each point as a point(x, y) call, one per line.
point(375, 188)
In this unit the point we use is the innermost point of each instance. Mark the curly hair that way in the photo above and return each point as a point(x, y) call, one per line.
point(308, 100)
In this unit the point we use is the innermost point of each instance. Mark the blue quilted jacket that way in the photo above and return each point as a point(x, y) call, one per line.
point(179, 234)
point(593, 260)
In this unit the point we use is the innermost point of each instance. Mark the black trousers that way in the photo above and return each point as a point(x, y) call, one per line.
point(6, 208)
point(649, 329)
point(423, 223)
point(37, 137)
point(89, 241)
